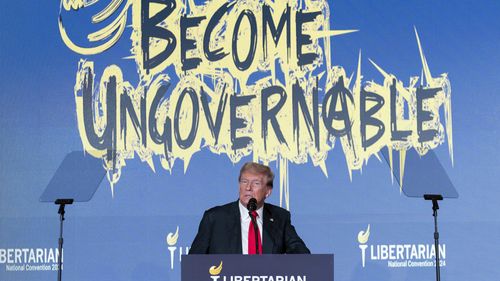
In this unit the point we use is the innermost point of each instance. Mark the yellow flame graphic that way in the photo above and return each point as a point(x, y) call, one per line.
point(364, 235)
point(111, 32)
point(287, 144)
point(215, 270)
point(172, 237)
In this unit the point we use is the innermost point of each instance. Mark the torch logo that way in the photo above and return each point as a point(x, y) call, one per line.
point(215, 271)
point(363, 239)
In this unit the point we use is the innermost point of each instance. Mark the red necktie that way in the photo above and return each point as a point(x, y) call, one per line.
point(251, 236)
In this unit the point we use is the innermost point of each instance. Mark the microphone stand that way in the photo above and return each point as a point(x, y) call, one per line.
point(62, 203)
point(435, 207)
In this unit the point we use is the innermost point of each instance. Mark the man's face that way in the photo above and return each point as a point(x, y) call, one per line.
point(253, 185)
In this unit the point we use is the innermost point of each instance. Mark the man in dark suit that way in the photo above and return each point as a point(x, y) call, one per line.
point(225, 229)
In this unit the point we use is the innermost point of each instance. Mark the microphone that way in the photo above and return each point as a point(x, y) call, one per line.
point(252, 204)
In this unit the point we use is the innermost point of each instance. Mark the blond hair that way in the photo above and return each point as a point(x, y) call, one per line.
point(260, 169)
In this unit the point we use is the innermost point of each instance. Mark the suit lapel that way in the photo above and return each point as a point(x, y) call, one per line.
point(235, 228)
point(268, 230)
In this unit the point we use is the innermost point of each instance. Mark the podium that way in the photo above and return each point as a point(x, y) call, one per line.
point(257, 267)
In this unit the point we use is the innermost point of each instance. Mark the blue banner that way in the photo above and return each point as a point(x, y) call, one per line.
point(172, 97)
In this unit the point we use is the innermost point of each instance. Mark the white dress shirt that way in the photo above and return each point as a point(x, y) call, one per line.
point(245, 223)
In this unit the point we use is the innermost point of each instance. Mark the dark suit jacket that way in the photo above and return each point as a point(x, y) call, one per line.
point(220, 232)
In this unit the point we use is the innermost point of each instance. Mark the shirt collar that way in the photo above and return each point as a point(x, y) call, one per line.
point(244, 212)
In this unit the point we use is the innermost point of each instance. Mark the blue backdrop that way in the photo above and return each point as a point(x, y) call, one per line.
point(123, 236)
